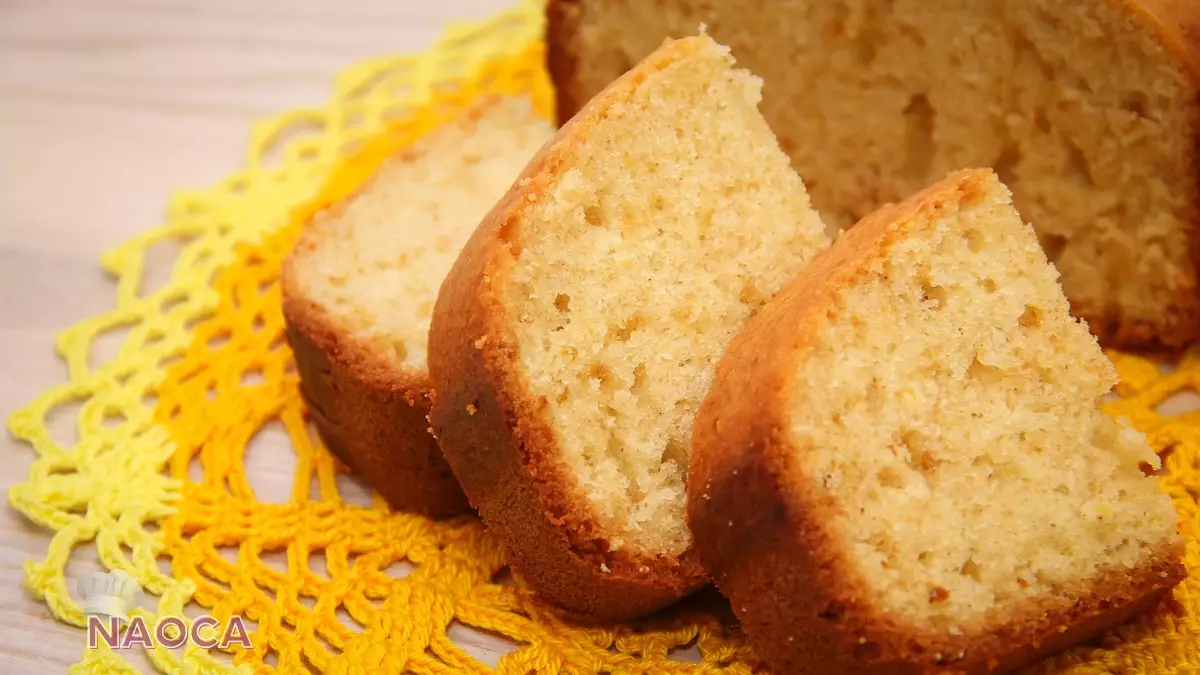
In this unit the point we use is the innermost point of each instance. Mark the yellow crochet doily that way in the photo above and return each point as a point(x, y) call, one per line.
point(158, 472)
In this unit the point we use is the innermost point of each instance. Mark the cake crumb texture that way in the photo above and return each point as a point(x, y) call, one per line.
point(950, 405)
point(1087, 111)
point(674, 218)
point(360, 283)
point(902, 462)
point(374, 263)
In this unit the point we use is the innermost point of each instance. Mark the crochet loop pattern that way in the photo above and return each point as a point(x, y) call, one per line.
point(156, 481)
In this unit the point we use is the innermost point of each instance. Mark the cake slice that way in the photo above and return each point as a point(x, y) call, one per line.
point(358, 291)
point(1089, 111)
point(901, 465)
point(578, 331)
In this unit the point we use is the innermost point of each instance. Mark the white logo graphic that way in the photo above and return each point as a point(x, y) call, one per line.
point(109, 595)
point(107, 599)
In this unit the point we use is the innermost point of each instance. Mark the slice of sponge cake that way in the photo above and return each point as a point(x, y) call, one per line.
point(359, 286)
point(902, 466)
point(577, 333)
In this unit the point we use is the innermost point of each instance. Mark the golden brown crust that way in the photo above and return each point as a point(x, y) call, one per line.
point(761, 529)
point(496, 435)
point(562, 20)
point(1175, 22)
point(370, 414)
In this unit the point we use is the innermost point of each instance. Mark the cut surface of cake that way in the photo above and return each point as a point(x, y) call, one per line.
point(1087, 110)
point(902, 465)
point(359, 289)
point(578, 332)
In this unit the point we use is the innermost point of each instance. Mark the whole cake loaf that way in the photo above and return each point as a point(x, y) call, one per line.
point(1087, 110)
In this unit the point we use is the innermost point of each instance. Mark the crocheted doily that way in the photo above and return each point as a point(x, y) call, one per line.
point(204, 368)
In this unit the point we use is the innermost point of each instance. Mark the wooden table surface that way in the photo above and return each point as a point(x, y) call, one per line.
point(106, 106)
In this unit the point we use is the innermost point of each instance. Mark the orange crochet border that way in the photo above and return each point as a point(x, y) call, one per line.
point(231, 553)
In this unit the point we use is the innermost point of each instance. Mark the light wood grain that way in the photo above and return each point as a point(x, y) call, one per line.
point(106, 106)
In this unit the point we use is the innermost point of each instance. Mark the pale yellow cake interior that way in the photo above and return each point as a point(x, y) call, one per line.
point(949, 405)
point(1075, 104)
point(375, 263)
point(673, 218)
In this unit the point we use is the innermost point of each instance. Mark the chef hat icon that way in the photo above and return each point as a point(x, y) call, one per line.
point(109, 594)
